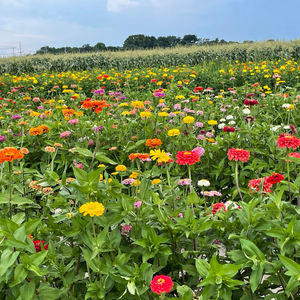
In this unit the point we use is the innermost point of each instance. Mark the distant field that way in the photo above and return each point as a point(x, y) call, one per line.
point(191, 56)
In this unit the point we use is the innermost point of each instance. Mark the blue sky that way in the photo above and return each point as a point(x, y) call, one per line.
point(59, 23)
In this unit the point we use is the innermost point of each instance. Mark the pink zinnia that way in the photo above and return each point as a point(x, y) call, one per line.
point(238, 154)
point(65, 134)
point(73, 121)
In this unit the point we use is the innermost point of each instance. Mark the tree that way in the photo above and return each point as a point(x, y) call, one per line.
point(140, 41)
point(189, 39)
point(99, 47)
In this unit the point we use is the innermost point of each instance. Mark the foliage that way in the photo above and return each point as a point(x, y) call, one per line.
point(186, 211)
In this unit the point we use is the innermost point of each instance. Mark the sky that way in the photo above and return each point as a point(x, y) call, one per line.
point(28, 25)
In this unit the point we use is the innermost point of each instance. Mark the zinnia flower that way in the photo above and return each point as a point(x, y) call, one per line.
point(254, 185)
point(121, 168)
point(125, 230)
point(250, 102)
point(153, 143)
point(9, 154)
point(286, 140)
point(187, 157)
point(173, 132)
point(35, 131)
point(218, 207)
point(188, 120)
point(238, 154)
point(37, 245)
point(212, 122)
point(160, 155)
point(275, 178)
point(161, 284)
point(65, 134)
point(200, 150)
point(92, 208)
point(228, 129)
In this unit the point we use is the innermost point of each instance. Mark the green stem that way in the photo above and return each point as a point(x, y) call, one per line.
point(169, 183)
point(237, 180)
point(10, 187)
point(288, 171)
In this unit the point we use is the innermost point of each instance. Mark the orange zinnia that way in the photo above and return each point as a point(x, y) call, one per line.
point(141, 156)
point(9, 154)
point(45, 128)
point(68, 112)
point(153, 143)
point(96, 104)
point(36, 130)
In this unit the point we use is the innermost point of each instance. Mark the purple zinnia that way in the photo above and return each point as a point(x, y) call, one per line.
point(16, 117)
point(2, 138)
point(100, 128)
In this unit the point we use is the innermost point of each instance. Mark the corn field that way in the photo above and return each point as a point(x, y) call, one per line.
point(153, 58)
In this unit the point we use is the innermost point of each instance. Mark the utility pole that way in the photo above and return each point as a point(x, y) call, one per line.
point(20, 46)
point(13, 49)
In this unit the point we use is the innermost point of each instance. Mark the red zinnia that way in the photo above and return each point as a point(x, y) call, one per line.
point(254, 185)
point(161, 284)
point(218, 207)
point(250, 102)
point(287, 140)
point(187, 157)
point(238, 154)
point(198, 89)
point(294, 154)
point(228, 129)
point(275, 178)
point(37, 245)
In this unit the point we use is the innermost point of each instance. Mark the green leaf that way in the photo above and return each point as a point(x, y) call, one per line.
point(19, 275)
point(202, 267)
point(192, 198)
point(8, 257)
point(103, 158)
point(27, 290)
point(48, 293)
point(83, 151)
point(293, 268)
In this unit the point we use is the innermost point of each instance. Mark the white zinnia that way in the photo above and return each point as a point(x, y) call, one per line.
point(230, 117)
point(221, 125)
point(286, 105)
point(203, 182)
point(223, 120)
point(231, 122)
point(246, 111)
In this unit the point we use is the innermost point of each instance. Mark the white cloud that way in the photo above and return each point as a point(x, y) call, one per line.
point(115, 5)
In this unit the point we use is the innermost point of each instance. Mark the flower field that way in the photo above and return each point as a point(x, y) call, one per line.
point(151, 183)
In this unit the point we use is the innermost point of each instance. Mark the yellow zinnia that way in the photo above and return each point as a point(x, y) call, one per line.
point(121, 168)
point(212, 122)
point(92, 209)
point(173, 132)
point(160, 155)
point(188, 120)
point(145, 114)
point(156, 181)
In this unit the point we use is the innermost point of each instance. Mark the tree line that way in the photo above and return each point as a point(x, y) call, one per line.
point(138, 41)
